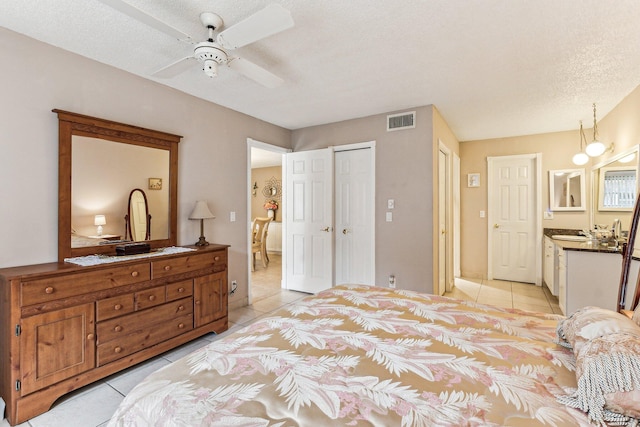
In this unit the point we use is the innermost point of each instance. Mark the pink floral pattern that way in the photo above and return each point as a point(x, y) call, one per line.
point(357, 355)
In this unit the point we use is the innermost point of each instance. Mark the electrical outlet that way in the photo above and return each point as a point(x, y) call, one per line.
point(392, 281)
point(234, 286)
point(232, 217)
point(391, 204)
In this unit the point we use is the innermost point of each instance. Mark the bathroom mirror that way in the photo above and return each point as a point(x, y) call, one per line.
point(614, 186)
point(567, 190)
point(78, 177)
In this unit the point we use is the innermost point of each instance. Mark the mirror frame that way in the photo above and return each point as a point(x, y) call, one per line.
point(595, 179)
point(129, 218)
point(576, 172)
point(70, 124)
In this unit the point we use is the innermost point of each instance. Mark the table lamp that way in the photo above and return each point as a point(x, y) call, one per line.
point(99, 220)
point(201, 212)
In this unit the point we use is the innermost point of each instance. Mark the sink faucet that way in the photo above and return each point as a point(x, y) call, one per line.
point(616, 228)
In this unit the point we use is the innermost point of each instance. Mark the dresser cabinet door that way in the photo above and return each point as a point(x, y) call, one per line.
point(56, 346)
point(210, 298)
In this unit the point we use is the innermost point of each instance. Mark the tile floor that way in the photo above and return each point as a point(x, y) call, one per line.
point(93, 405)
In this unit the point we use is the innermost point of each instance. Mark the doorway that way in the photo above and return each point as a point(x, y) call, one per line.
point(514, 226)
point(265, 180)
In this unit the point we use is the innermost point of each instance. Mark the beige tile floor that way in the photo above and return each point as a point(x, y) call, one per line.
point(92, 406)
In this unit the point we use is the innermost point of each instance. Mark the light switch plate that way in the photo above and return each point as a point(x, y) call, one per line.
point(548, 215)
point(389, 216)
point(391, 204)
point(232, 217)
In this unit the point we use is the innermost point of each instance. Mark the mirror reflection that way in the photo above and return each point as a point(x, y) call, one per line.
point(614, 185)
point(137, 218)
point(567, 190)
point(103, 173)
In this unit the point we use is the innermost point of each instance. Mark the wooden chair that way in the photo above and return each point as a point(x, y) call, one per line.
point(259, 231)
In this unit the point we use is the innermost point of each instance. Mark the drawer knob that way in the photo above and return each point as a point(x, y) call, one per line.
point(48, 290)
point(90, 337)
point(181, 326)
point(167, 267)
point(117, 307)
point(197, 302)
point(118, 328)
point(180, 307)
point(117, 349)
point(180, 290)
point(134, 274)
point(217, 258)
point(152, 297)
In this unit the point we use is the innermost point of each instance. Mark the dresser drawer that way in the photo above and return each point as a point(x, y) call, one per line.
point(168, 267)
point(143, 338)
point(152, 318)
point(69, 285)
point(150, 298)
point(179, 290)
point(114, 307)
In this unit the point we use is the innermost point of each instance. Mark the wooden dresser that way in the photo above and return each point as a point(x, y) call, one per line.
point(65, 326)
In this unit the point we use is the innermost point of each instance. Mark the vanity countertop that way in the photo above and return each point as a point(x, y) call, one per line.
point(588, 246)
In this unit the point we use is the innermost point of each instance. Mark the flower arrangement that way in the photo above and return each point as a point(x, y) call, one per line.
point(271, 205)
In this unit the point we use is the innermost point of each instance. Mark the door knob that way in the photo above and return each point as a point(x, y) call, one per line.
point(443, 232)
point(327, 229)
point(345, 231)
point(496, 226)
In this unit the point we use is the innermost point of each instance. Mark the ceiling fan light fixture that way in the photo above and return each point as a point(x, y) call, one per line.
point(210, 68)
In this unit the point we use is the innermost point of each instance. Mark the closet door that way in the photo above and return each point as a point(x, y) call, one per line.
point(309, 217)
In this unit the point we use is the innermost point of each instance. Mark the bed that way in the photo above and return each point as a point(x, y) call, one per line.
point(358, 355)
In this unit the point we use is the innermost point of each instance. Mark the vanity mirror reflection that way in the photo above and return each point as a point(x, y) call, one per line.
point(614, 186)
point(99, 162)
point(137, 219)
point(567, 190)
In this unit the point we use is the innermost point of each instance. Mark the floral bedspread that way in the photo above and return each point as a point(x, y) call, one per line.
point(356, 355)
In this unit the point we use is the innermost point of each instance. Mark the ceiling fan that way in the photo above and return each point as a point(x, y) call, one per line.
point(213, 52)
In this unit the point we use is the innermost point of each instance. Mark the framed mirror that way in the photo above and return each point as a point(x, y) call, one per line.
point(567, 190)
point(614, 187)
point(137, 219)
point(98, 159)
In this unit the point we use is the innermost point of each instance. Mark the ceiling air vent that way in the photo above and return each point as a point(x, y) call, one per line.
point(401, 121)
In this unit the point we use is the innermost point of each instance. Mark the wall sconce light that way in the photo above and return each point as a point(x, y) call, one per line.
point(596, 148)
point(201, 212)
point(255, 189)
point(581, 158)
point(99, 220)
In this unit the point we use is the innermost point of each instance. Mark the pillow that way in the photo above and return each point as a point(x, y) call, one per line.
point(608, 374)
point(588, 323)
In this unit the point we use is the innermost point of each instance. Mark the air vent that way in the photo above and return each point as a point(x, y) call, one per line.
point(401, 121)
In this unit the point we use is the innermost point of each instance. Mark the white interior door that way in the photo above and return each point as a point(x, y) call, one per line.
point(512, 207)
point(443, 204)
point(354, 214)
point(309, 220)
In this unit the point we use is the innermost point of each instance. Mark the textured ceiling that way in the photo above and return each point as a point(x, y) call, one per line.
point(494, 68)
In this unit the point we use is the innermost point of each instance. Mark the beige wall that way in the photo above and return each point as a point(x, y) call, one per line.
point(261, 176)
point(212, 159)
point(620, 125)
point(404, 163)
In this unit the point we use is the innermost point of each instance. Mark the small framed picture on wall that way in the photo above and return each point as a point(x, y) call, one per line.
point(155, 183)
point(473, 180)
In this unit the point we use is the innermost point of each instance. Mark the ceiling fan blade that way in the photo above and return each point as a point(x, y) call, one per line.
point(147, 19)
point(255, 72)
point(270, 20)
point(173, 69)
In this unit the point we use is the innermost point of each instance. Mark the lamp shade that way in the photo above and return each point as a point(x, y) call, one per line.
point(99, 220)
point(580, 159)
point(201, 211)
point(595, 148)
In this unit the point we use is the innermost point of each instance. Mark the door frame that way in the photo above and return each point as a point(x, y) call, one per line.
point(252, 143)
point(537, 209)
point(359, 146)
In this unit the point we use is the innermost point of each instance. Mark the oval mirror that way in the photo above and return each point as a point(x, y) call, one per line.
point(137, 218)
